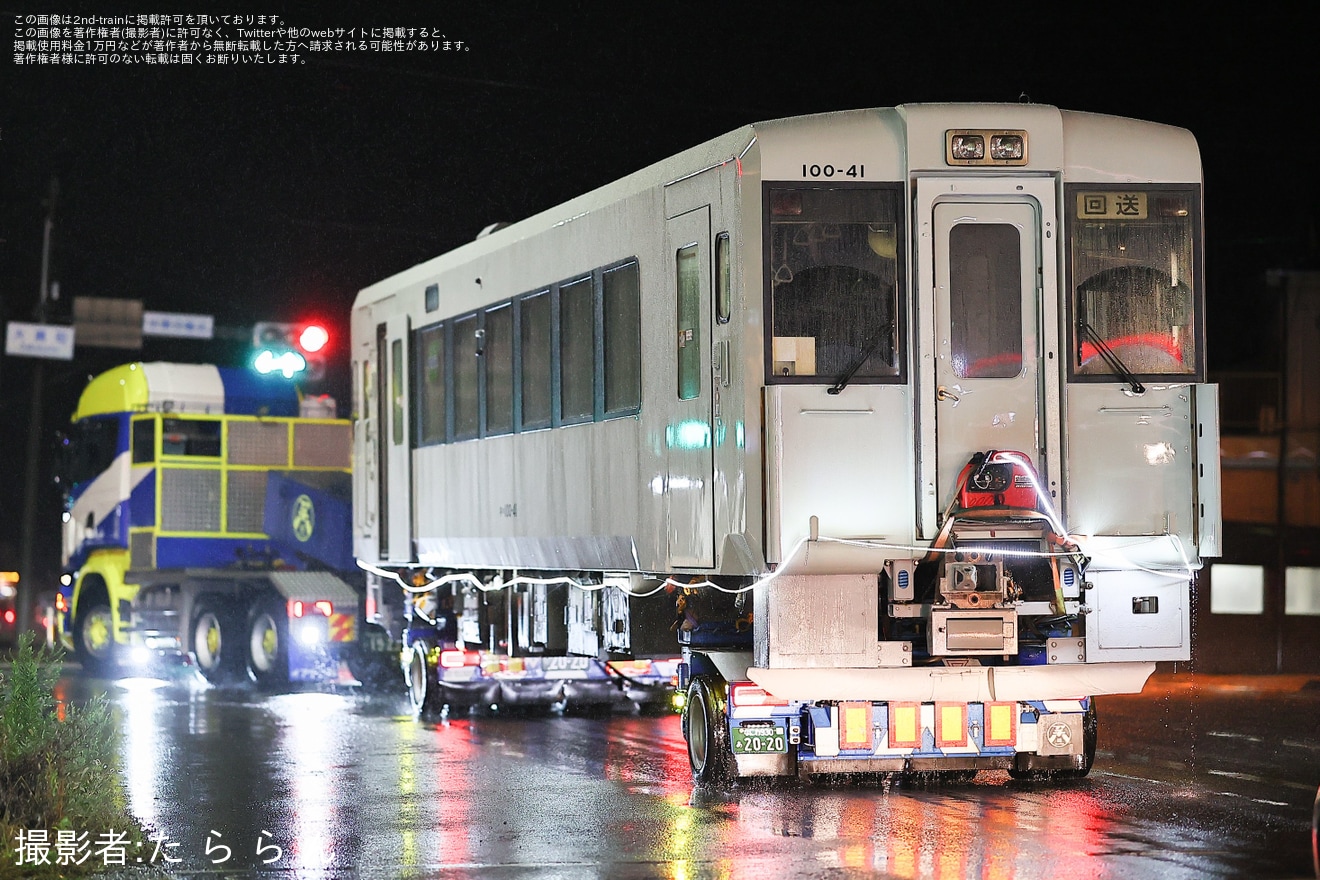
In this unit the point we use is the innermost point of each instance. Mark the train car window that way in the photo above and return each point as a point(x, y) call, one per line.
point(144, 441)
point(396, 391)
point(535, 351)
point(723, 279)
point(467, 399)
point(431, 394)
point(577, 347)
point(1135, 277)
point(622, 307)
point(832, 268)
point(432, 297)
point(985, 300)
point(689, 323)
point(498, 358)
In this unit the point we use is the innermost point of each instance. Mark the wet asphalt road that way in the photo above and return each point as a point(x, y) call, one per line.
point(1199, 777)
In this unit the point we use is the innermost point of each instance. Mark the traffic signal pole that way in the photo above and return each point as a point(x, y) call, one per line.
point(27, 577)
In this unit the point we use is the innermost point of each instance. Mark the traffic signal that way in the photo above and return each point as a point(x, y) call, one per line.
point(294, 350)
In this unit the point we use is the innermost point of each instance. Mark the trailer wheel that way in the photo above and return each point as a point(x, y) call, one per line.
point(268, 644)
point(94, 637)
point(1090, 730)
point(423, 690)
point(707, 733)
point(215, 642)
point(369, 659)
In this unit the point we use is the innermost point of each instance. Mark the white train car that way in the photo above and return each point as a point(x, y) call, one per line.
point(903, 410)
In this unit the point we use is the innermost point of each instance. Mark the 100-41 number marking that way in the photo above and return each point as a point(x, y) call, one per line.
point(833, 171)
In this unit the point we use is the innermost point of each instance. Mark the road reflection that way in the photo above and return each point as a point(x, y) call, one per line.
point(309, 723)
point(989, 830)
point(342, 784)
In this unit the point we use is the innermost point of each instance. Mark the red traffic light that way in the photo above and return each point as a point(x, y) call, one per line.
point(312, 338)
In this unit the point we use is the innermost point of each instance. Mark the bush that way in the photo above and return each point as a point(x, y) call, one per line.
point(58, 770)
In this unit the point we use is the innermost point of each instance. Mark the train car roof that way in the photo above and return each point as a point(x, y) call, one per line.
point(186, 388)
point(1092, 147)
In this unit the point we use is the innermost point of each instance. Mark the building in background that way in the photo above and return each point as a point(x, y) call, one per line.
point(1258, 609)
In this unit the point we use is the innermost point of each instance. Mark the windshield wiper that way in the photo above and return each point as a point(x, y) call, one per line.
point(1114, 362)
point(843, 380)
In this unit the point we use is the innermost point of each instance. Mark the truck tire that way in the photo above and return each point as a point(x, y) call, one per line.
point(423, 689)
point(268, 644)
point(707, 731)
point(215, 641)
point(94, 634)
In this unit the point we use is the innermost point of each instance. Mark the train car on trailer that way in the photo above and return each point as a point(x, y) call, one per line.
point(897, 418)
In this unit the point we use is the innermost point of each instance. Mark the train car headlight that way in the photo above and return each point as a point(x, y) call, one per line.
point(965, 147)
point(985, 147)
point(1007, 146)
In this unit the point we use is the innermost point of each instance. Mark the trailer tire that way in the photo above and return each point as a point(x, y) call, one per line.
point(423, 689)
point(375, 669)
point(1090, 731)
point(268, 644)
point(215, 642)
point(707, 731)
point(94, 634)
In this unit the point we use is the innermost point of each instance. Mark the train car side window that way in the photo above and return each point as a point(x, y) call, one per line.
point(622, 304)
point(498, 357)
point(723, 279)
point(577, 348)
point(467, 397)
point(689, 323)
point(1135, 274)
point(396, 390)
point(985, 300)
point(431, 382)
point(832, 270)
point(535, 351)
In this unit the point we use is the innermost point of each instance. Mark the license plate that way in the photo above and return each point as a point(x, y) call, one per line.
point(759, 740)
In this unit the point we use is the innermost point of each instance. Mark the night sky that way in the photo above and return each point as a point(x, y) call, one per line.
point(277, 192)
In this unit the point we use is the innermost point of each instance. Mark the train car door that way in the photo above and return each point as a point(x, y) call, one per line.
point(988, 291)
point(394, 449)
point(690, 494)
point(366, 482)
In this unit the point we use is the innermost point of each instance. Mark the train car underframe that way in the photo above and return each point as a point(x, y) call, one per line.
point(496, 641)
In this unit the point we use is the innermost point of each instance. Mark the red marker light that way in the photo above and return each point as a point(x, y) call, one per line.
point(9, 615)
point(313, 338)
point(455, 659)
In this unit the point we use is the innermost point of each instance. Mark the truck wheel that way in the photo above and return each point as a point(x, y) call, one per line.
point(423, 690)
point(215, 643)
point(268, 645)
point(707, 733)
point(94, 638)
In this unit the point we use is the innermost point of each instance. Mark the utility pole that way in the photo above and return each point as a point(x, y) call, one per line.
point(27, 577)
